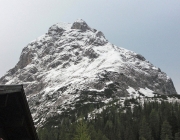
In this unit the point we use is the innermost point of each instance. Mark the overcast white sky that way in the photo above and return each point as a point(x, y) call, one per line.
point(150, 28)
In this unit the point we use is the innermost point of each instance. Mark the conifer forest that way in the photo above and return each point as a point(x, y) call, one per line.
point(148, 121)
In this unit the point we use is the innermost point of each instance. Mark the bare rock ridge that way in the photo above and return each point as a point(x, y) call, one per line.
point(71, 60)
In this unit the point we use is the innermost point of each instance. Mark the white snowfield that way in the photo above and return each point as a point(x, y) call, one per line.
point(146, 92)
point(71, 58)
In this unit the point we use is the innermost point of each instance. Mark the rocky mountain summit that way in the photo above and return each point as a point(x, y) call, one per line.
point(73, 63)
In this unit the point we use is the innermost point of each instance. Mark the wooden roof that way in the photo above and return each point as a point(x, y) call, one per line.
point(16, 122)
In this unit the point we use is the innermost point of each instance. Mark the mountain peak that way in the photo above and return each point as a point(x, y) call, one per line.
point(80, 20)
point(81, 25)
point(73, 61)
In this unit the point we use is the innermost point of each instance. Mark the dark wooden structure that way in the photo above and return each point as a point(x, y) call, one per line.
point(16, 122)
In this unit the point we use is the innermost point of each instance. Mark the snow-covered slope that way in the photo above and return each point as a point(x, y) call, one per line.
point(74, 60)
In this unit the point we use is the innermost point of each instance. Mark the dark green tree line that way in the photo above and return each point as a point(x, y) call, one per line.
point(150, 121)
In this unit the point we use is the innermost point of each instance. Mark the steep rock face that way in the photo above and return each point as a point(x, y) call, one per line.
point(72, 59)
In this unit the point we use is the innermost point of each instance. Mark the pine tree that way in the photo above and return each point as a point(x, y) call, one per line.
point(108, 129)
point(173, 122)
point(92, 131)
point(177, 136)
point(100, 136)
point(166, 130)
point(44, 135)
point(167, 138)
point(129, 135)
point(142, 138)
point(104, 138)
point(145, 132)
point(64, 133)
point(154, 124)
point(81, 131)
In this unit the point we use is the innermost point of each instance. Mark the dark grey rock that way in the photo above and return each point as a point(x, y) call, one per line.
point(55, 30)
point(81, 25)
